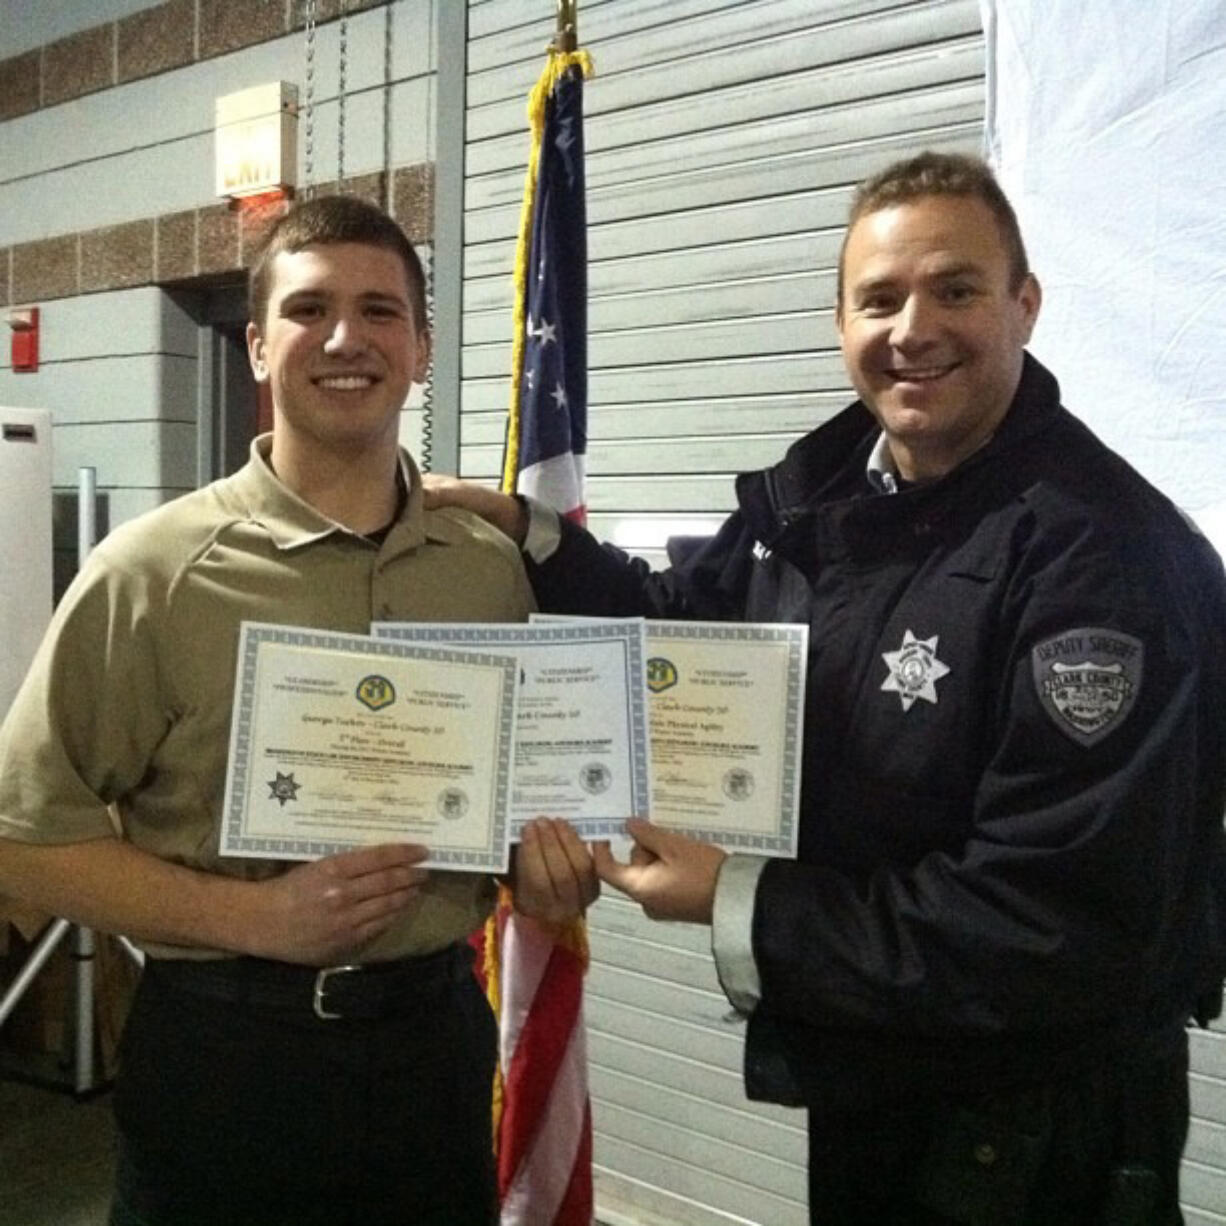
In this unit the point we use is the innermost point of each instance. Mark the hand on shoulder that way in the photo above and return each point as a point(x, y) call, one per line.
point(502, 511)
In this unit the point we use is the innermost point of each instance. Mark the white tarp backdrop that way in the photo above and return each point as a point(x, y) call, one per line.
point(1106, 121)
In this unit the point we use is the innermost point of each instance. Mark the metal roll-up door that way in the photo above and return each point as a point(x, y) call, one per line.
point(1202, 1181)
point(723, 140)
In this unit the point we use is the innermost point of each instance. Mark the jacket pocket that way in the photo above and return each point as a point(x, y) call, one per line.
point(982, 1166)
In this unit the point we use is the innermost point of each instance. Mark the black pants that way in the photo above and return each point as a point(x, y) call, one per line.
point(1098, 1148)
point(235, 1114)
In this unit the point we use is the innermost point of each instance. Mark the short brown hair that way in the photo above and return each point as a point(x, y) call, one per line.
point(334, 219)
point(939, 174)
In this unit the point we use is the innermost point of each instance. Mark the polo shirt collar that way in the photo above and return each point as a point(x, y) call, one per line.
point(292, 522)
point(288, 519)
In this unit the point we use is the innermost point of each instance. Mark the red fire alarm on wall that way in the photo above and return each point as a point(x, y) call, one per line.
point(24, 324)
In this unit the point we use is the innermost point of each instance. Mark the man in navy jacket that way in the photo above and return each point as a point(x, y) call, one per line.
point(978, 972)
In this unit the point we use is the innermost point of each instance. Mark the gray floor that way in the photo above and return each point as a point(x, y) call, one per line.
point(56, 1157)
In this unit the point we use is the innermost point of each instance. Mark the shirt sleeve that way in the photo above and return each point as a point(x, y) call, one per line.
point(578, 574)
point(87, 717)
point(544, 531)
point(732, 930)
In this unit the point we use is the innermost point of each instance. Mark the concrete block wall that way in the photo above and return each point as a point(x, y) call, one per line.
point(108, 220)
point(118, 372)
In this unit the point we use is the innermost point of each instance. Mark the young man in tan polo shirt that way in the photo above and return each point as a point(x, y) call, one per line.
point(238, 1101)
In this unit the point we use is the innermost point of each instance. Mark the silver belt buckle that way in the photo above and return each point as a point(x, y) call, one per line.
point(321, 989)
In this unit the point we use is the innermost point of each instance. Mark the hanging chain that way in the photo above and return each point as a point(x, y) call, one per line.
point(309, 108)
point(340, 99)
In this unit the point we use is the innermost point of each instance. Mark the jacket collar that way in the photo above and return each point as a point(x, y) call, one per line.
point(828, 464)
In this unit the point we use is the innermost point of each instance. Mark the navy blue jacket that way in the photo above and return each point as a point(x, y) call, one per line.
point(1015, 754)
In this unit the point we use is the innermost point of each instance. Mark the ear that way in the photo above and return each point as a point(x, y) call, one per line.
point(421, 355)
point(1029, 299)
point(255, 354)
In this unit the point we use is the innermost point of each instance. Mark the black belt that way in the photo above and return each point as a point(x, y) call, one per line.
point(365, 991)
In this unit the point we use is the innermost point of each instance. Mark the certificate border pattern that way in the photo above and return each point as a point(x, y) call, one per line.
point(253, 635)
point(629, 631)
point(796, 638)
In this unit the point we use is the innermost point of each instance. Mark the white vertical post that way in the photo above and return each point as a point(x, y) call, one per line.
point(25, 542)
point(87, 513)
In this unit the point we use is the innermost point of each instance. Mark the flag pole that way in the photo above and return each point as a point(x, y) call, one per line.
point(533, 972)
point(567, 37)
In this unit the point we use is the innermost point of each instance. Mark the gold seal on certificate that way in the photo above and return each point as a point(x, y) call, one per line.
point(339, 741)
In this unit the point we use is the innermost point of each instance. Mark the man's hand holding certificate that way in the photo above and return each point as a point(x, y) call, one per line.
point(727, 703)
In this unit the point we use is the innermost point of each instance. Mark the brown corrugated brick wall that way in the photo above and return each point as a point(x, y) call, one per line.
point(173, 247)
point(157, 39)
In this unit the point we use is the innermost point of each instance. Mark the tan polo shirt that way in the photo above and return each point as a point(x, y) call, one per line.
point(128, 701)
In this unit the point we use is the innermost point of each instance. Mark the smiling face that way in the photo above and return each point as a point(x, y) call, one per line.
point(338, 348)
point(931, 332)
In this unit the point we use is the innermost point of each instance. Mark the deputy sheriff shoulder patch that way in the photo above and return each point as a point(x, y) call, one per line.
point(1087, 680)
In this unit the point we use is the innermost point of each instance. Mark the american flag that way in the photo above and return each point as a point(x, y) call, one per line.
point(533, 976)
point(534, 973)
point(547, 423)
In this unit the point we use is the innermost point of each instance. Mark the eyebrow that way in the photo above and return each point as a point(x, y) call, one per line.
point(377, 296)
point(877, 284)
point(873, 286)
point(370, 297)
point(966, 269)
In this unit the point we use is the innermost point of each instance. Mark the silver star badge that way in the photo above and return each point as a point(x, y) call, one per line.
point(914, 670)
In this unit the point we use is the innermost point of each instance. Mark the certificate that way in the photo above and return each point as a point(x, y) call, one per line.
point(581, 741)
point(341, 740)
point(726, 711)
